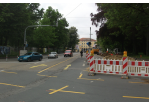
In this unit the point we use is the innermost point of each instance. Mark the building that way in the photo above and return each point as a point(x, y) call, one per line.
point(82, 43)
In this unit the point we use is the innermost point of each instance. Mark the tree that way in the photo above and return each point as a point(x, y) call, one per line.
point(130, 19)
point(73, 37)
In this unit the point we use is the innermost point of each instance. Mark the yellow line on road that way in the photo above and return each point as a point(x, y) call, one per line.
point(12, 85)
point(67, 67)
point(59, 89)
point(46, 75)
point(136, 97)
point(53, 65)
point(38, 65)
point(9, 72)
point(138, 82)
point(80, 75)
point(68, 91)
point(91, 79)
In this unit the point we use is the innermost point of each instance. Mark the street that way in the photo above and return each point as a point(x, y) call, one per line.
point(65, 79)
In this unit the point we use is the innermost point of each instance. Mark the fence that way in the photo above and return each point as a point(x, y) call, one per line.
point(119, 67)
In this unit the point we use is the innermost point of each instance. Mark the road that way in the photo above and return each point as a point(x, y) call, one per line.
point(65, 79)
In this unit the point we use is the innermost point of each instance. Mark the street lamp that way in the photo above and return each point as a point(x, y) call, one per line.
point(36, 26)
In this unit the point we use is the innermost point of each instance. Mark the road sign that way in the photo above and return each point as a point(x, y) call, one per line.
point(88, 43)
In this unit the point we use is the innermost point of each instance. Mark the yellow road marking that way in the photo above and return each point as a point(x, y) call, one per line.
point(68, 91)
point(67, 67)
point(9, 72)
point(46, 75)
point(138, 82)
point(12, 85)
point(91, 79)
point(136, 97)
point(38, 65)
point(59, 89)
point(52, 66)
point(80, 75)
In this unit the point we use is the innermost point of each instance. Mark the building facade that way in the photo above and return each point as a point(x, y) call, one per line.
point(82, 44)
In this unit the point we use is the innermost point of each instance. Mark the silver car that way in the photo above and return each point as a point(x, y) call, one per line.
point(53, 55)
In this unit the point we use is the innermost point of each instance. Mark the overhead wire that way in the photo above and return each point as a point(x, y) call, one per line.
point(74, 9)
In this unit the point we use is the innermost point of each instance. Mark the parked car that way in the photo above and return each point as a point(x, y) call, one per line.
point(68, 53)
point(53, 55)
point(30, 56)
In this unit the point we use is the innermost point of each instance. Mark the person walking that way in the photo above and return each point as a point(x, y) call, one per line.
point(81, 53)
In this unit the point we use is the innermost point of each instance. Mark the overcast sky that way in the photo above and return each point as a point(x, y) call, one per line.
point(77, 15)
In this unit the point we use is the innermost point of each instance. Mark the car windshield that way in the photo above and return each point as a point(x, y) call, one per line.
point(28, 54)
point(53, 52)
point(67, 51)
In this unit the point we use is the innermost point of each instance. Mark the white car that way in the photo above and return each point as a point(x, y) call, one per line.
point(53, 55)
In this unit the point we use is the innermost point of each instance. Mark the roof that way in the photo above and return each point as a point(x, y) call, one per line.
point(86, 39)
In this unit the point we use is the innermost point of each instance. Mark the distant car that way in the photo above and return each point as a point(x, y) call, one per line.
point(53, 55)
point(30, 56)
point(68, 53)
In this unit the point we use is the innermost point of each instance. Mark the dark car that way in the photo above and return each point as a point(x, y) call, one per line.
point(68, 53)
point(30, 56)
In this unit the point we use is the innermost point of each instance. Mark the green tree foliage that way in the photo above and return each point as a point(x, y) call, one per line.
point(73, 37)
point(51, 36)
point(130, 21)
point(14, 18)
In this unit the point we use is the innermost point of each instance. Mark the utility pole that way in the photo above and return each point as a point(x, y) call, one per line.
point(90, 40)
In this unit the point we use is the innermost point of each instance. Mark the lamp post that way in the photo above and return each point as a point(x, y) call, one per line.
point(36, 26)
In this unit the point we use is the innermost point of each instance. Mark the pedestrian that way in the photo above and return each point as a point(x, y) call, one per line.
point(81, 53)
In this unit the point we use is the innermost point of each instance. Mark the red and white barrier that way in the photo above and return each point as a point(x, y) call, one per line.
point(108, 66)
point(88, 58)
point(130, 68)
point(92, 62)
point(138, 68)
point(125, 65)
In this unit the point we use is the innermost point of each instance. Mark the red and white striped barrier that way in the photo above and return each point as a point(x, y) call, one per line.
point(108, 66)
point(138, 68)
point(88, 58)
point(125, 65)
point(92, 62)
point(130, 68)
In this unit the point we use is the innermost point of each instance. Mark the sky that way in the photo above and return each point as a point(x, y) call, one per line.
point(77, 15)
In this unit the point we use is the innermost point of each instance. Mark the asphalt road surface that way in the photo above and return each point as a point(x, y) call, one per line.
point(65, 79)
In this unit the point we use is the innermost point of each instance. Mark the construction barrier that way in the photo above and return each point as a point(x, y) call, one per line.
point(119, 67)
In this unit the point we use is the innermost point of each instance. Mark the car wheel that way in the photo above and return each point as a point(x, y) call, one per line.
point(28, 59)
point(20, 61)
point(40, 59)
point(48, 57)
point(57, 56)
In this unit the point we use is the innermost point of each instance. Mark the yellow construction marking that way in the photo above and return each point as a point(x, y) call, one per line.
point(9, 72)
point(138, 82)
point(38, 65)
point(67, 67)
point(51, 66)
point(68, 91)
point(91, 79)
point(46, 75)
point(136, 97)
point(12, 85)
point(80, 75)
point(59, 89)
